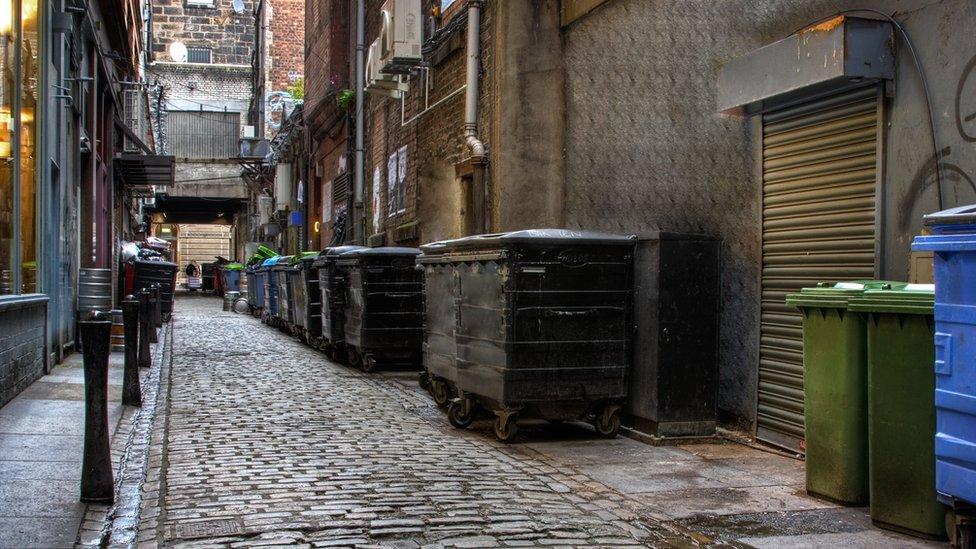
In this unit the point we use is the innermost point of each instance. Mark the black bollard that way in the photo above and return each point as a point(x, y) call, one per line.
point(145, 329)
point(153, 334)
point(131, 391)
point(157, 290)
point(96, 467)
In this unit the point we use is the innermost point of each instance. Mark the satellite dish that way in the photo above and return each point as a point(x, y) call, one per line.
point(177, 52)
point(238, 6)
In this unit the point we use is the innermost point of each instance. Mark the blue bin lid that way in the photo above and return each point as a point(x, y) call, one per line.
point(953, 230)
point(953, 217)
point(269, 262)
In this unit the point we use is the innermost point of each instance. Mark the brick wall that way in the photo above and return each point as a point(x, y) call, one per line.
point(228, 34)
point(286, 43)
point(326, 59)
point(22, 322)
point(434, 140)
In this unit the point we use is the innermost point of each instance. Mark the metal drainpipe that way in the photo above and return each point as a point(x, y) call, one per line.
point(358, 224)
point(472, 81)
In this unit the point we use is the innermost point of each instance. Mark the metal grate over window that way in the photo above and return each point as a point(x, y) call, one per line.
point(198, 55)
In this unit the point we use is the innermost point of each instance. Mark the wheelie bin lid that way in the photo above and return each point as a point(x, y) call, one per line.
point(917, 299)
point(530, 236)
point(298, 258)
point(233, 267)
point(826, 295)
point(953, 230)
point(282, 262)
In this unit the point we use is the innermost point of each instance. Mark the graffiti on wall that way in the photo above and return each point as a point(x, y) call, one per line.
point(955, 180)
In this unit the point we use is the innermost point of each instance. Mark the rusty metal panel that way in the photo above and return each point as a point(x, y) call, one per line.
point(818, 224)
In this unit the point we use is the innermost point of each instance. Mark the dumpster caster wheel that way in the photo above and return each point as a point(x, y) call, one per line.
point(607, 422)
point(352, 355)
point(506, 427)
point(368, 364)
point(460, 413)
point(440, 392)
point(424, 381)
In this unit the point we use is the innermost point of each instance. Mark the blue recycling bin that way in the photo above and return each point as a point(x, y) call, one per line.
point(232, 278)
point(953, 243)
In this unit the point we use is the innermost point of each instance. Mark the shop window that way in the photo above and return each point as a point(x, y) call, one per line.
point(28, 147)
point(8, 209)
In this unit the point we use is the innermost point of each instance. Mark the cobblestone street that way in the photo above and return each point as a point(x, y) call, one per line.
point(270, 443)
point(267, 443)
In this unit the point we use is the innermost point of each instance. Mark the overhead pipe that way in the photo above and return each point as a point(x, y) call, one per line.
point(358, 221)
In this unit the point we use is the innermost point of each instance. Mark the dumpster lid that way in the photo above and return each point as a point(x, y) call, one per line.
point(916, 299)
point(382, 250)
point(153, 262)
point(530, 236)
point(837, 295)
point(330, 253)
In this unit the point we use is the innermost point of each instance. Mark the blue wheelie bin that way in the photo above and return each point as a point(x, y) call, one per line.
point(953, 243)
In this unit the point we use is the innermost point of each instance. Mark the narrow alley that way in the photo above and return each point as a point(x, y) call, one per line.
point(268, 443)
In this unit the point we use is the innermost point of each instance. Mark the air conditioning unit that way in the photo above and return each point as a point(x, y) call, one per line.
point(378, 83)
point(402, 36)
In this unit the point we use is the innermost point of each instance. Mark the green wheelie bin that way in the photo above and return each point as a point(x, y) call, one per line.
point(901, 409)
point(835, 372)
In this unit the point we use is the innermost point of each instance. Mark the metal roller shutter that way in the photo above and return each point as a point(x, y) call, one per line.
point(818, 224)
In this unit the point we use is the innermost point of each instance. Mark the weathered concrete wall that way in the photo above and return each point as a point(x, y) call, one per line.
point(208, 179)
point(527, 177)
point(22, 322)
point(645, 149)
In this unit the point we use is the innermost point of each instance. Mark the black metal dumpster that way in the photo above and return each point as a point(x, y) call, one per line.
point(544, 326)
point(272, 311)
point(332, 291)
point(440, 320)
point(208, 271)
point(384, 307)
point(280, 272)
point(255, 288)
point(302, 300)
point(163, 273)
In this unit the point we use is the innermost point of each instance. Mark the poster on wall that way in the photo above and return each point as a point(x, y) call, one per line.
point(377, 198)
point(396, 181)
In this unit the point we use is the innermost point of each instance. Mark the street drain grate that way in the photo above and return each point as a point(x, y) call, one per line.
point(207, 529)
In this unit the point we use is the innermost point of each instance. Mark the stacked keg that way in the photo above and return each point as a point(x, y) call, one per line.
point(94, 291)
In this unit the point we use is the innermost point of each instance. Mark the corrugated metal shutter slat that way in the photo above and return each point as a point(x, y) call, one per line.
point(819, 185)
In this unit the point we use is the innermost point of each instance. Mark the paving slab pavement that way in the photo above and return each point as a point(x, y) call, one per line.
point(41, 444)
